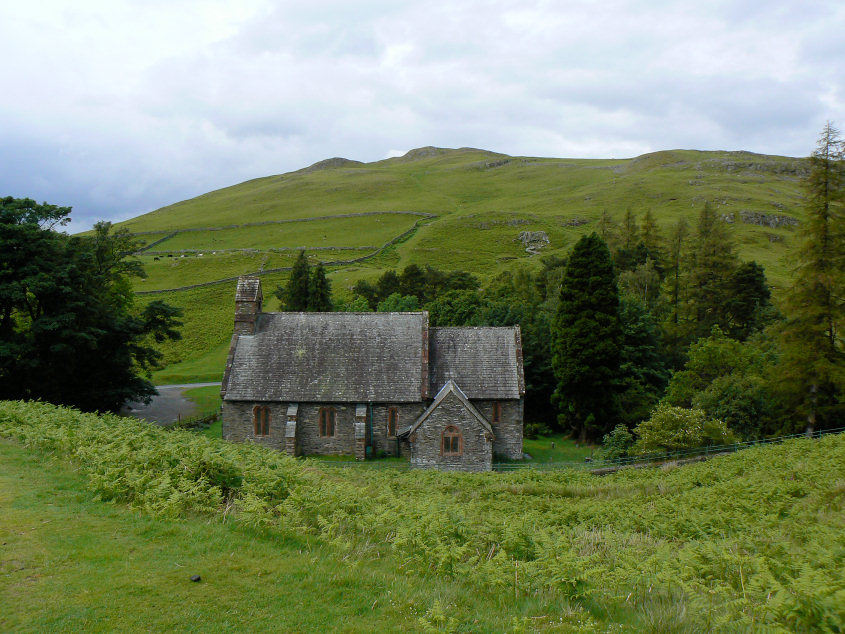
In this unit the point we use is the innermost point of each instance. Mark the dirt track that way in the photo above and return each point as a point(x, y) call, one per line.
point(167, 407)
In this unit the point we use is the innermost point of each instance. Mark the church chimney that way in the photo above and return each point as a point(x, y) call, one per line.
point(248, 300)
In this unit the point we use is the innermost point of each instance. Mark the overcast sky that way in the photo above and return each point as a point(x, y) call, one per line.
point(117, 108)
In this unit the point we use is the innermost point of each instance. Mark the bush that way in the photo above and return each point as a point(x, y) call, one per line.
point(676, 428)
point(532, 430)
point(615, 444)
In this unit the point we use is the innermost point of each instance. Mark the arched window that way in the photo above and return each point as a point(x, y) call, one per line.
point(327, 416)
point(451, 442)
point(261, 420)
point(392, 422)
point(497, 412)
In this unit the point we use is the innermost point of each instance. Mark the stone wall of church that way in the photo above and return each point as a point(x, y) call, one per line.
point(381, 442)
point(426, 441)
point(238, 426)
point(308, 436)
point(508, 431)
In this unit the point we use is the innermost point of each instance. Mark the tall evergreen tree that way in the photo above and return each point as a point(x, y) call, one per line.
point(650, 232)
point(608, 228)
point(587, 341)
point(630, 230)
point(294, 296)
point(675, 264)
point(319, 291)
point(747, 298)
point(812, 361)
point(712, 262)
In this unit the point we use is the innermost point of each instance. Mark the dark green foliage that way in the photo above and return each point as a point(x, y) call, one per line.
point(587, 341)
point(729, 380)
point(387, 284)
point(813, 364)
point(363, 288)
point(643, 373)
point(653, 240)
point(319, 291)
point(412, 282)
point(456, 308)
point(629, 258)
point(399, 304)
point(69, 331)
point(712, 261)
point(294, 296)
point(747, 298)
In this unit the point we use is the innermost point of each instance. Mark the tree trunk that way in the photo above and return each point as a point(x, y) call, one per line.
point(811, 415)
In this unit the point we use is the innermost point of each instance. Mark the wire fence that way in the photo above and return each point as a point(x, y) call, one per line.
point(596, 465)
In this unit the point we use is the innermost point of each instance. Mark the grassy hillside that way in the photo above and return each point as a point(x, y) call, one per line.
point(746, 542)
point(478, 204)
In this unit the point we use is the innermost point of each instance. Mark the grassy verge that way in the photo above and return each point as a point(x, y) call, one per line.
point(69, 563)
point(555, 448)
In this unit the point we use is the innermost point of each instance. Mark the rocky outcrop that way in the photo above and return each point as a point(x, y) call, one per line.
point(533, 241)
point(772, 221)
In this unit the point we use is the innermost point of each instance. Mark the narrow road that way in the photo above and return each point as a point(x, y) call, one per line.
point(167, 407)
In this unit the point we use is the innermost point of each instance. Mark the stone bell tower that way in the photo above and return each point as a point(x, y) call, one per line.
point(248, 300)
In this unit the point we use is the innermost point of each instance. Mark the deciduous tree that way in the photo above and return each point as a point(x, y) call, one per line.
point(70, 331)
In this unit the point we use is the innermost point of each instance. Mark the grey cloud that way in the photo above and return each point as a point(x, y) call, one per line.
point(118, 115)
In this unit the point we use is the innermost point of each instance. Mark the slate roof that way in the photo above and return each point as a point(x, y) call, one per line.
point(331, 357)
point(486, 362)
point(449, 388)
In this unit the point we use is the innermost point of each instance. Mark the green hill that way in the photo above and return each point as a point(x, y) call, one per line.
point(452, 209)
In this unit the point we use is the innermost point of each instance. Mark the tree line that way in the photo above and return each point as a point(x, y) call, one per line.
point(642, 323)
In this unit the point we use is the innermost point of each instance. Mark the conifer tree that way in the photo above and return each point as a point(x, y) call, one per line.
point(294, 296)
point(319, 291)
point(630, 230)
point(675, 264)
point(712, 263)
point(812, 363)
point(587, 341)
point(650, 233)
point(608, 228)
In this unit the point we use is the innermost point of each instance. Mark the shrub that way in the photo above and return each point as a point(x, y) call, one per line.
point(676, 428)
point(615, 444)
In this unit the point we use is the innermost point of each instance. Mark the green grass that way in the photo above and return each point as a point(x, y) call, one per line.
point(555, 448)
point(339, 232)
point(207, 399)
point(482, 201)
point(69, 563)
point(745, 542)
point(205, 368)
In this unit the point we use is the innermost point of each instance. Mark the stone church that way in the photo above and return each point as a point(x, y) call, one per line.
point(372, 384)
